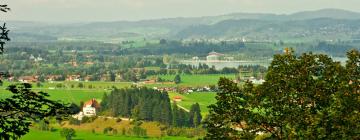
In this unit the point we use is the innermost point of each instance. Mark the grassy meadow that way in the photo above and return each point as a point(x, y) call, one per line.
point(204, 99)
point(69, 92)
point(198, 80)
point(85, 131)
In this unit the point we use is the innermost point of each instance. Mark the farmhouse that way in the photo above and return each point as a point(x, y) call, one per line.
point(177, 99)
point(52, 77)
point(28, 79)
point(73, 78)
point(90, 108)
point(214, 56)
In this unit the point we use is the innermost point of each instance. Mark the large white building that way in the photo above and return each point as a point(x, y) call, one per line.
point(213, 56)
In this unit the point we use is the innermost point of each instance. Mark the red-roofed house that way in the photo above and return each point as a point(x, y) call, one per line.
point(28, 79)
point(177, 99)
point(90, 107)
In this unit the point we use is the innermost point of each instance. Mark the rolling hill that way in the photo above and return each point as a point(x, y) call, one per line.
point(256, 26)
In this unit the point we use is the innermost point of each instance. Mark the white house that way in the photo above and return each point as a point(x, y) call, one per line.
point(90, 108)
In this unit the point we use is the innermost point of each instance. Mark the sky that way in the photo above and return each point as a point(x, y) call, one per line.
point(116, 10)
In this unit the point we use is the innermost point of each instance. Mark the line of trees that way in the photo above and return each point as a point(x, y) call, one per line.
point(181, 118)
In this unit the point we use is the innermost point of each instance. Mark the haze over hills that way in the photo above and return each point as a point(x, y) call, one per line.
point(330, 24)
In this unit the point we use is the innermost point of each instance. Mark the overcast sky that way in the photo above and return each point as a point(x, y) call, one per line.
point(114, 10)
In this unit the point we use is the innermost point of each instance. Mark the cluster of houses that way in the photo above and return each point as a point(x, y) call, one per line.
point(184, 89)
point(51, 78)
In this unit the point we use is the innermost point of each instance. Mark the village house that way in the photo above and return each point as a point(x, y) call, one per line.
point(73, 78)
point(177, 99)
point(150, 81)
point(256, 81)
point(195, 58)
point(89, 63)
point(87, 78)
point(28, 79)
point(90, 107)
point(52, 77)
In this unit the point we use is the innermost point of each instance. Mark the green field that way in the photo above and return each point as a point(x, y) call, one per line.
point(45, 135)
point(198, 80)
point(72, 95)
point(68, 96)
point(203, 98)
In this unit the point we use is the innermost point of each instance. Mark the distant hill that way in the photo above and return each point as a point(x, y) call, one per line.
point(273, 30)
point(325, 13)
point(253, 25)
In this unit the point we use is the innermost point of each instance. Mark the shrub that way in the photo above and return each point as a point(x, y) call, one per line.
point(118, 120)
point(73, 121)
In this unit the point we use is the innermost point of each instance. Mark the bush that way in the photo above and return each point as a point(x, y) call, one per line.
point(68, 133)
point(73, 121)
point(118, 120)
point(88, 119)
point(123, 131)
point(80, 85)
point(138, 131)
point(108, 130)
point(44, 126)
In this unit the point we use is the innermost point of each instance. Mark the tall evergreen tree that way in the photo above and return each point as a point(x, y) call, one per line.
point(195, 115)
point(175, 114)
point(177, 79)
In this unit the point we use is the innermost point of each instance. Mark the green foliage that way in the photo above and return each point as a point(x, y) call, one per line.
point(109, 130)
point(80, 85)
point(86, 119)
point(184, 132)
point(195, 115)
point(138, 103)
point(177, 79)
point(74, 108)
point(73, 121)
point(305, 97)
point(138, 131)
point(43, 125)
point(25, 106)
point(68, 133)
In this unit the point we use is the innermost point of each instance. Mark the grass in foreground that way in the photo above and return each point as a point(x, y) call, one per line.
point(80, 135)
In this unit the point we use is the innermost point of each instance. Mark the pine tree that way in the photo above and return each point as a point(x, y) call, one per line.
point(195, 115)
point(177, 79)
point(175, 114)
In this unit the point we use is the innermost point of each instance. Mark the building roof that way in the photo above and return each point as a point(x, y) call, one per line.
point(92, 103)
point(177, 97)
point(215, 53)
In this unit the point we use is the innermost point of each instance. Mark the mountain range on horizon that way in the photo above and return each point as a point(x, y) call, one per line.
point(234, 25)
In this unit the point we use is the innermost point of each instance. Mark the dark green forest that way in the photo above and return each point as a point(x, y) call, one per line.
point(146, 104)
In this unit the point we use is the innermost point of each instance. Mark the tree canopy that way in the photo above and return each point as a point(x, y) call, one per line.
point(304, 97)
point(23, 107)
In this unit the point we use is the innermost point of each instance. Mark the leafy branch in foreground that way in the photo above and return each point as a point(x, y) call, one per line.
point(25, 106)
point(305, 97)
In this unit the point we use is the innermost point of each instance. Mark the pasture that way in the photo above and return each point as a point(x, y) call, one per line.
point(198, 79)
point(203, 98)
point(83, 135)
